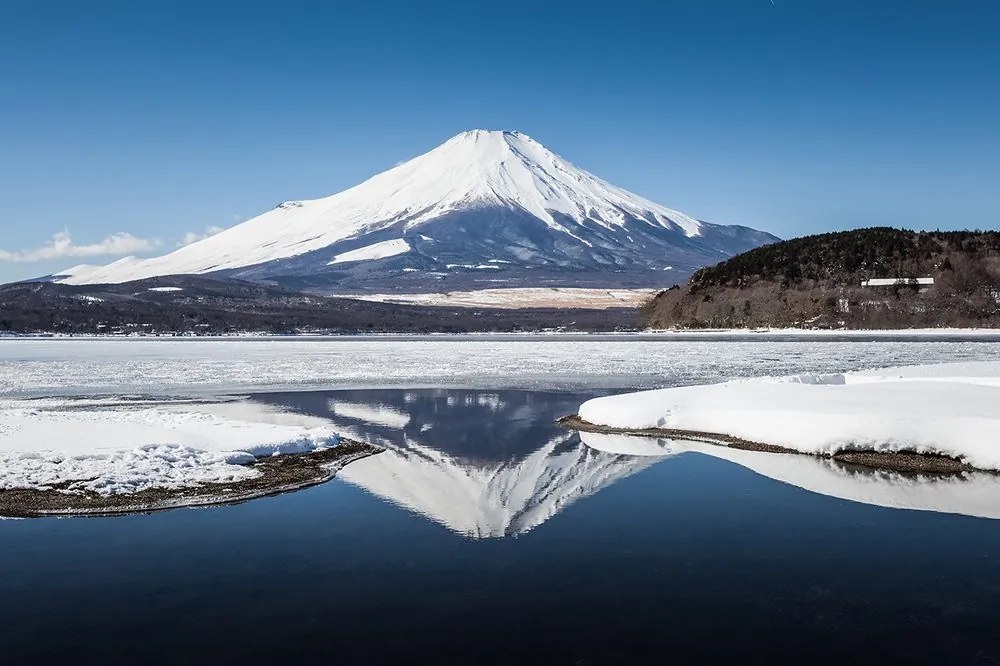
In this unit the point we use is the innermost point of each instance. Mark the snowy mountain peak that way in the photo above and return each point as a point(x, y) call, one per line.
point(482, 195)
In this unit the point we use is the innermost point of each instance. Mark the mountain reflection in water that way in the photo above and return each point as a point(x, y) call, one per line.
point(494, 464)
point(969, 493)
point(481, 463)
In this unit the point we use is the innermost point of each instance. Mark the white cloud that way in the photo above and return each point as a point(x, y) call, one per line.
point(194, 236)
point(62, 246)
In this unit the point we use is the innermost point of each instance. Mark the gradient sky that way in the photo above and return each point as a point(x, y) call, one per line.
point(161, 119)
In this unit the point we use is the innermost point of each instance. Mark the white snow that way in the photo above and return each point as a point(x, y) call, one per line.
point(166, 290)
point(476, 168)
point(518, 297)
point(970, 494)
point(79, 366)
point(948, 409)
point(79, 269)
point(117, 447)
point(380, 250)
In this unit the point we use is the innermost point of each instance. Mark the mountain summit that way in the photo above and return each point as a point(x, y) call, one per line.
point(487, 208)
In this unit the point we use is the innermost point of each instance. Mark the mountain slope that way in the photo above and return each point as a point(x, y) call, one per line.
point(494, 207)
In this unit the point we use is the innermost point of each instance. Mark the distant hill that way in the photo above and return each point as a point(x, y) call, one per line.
point(816, 281)
point(209, 306)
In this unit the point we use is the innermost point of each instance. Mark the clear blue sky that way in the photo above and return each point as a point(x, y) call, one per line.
point(159, 119)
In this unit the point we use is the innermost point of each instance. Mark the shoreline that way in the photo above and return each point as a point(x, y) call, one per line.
point(896, 461)
point(279, 474)
point(554, 332)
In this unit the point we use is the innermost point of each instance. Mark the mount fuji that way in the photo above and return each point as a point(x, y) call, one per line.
point(484, 209)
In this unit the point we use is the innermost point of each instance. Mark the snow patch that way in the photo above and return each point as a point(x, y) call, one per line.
point(517, 297)
point(950, 409)
point(111, 448)
point(380, 250)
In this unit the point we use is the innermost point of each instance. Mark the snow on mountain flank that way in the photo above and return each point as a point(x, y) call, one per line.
point(389, 248)
point(481, 198)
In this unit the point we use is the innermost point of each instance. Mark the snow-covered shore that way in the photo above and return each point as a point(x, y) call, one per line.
point(112, 447)
point(947, 409)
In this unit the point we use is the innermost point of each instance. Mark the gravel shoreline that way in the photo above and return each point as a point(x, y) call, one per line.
point(278, 474)
point(902, 461)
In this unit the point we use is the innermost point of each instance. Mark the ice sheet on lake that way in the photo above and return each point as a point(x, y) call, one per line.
point(169, 366)
point(970, 494)
point(950, 409)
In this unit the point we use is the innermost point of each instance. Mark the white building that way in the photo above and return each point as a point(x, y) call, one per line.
point(902, 282)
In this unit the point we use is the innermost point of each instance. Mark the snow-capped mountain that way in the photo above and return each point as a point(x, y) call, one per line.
point(495, 208)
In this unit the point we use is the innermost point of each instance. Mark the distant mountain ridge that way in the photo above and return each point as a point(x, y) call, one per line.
point(486, 208)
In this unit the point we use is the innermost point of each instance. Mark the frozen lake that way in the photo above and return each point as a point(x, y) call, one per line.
point(30, 367)
point(483, 520)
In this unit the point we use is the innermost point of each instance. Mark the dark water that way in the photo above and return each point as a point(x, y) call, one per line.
point(487, 535)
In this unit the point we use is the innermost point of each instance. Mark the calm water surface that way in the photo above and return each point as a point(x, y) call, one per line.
point(485, 534)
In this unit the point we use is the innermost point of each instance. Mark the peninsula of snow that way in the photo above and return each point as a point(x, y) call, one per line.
point(949, 409)
point(115, 447)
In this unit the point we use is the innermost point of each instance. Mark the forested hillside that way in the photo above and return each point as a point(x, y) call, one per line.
point(207, 306)
point(816, 281)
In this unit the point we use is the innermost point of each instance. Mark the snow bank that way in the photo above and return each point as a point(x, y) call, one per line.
point(118, 448)
point(971, 494)
point(951, 409)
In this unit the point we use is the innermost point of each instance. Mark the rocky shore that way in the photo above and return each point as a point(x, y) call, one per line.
point(897, 461)
point(277, 474)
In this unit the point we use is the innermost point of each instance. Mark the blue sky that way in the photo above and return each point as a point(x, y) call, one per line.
point(129, 125)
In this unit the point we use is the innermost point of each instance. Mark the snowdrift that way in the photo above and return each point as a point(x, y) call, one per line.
point(951, 410)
